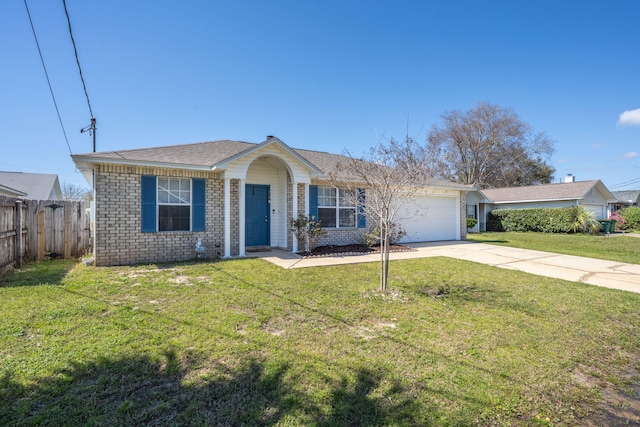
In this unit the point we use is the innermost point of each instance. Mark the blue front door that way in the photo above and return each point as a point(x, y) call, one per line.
point(257, 215)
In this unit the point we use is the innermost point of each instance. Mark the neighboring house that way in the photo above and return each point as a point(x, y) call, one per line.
point(153, 204)
point(32, 186)
point(624, 199)
point(592, 195)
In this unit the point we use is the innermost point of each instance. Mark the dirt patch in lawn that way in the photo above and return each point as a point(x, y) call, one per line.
point(618, 405)
point(353, 249)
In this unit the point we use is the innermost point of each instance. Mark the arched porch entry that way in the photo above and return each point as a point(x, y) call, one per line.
point(267, 204)
point(272, 188)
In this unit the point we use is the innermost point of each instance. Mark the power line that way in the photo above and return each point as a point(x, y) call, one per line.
point(47, 76)
point(624, 184)
point(75, 51)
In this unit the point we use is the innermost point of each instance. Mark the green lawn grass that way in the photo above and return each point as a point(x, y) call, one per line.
point(618, 248)
point(243, 342)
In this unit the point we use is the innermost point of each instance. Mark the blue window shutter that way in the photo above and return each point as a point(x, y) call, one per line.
point(148, 213)
point(362, 219)
point(313, 202)
point(198, 204)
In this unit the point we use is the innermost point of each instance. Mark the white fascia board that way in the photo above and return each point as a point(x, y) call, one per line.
point(12, 191)
point(536, 200)
point(93, 160)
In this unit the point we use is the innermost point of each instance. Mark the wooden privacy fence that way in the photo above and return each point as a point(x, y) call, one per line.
point(35, 229)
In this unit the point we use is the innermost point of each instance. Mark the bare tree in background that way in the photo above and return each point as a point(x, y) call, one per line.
point(384, 178)
point(74, 192)
point(489, 146)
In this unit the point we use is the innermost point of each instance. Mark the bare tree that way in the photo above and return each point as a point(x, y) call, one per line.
point(74, 192)
point(488, 146)
point(384, 178)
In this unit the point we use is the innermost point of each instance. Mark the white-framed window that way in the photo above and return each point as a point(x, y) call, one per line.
point(472, 211)
point(336, 207)
point(174, 204)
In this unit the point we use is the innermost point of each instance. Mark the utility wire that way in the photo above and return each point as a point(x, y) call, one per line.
point(47, 75)
point(627, 183)
point(75, 51)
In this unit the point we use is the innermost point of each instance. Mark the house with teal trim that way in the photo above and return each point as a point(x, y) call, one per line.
point(154, 204)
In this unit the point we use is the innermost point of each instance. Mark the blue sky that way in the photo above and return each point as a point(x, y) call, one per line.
point(323, 75)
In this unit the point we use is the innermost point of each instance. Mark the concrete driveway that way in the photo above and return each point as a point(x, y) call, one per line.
point(609, 274)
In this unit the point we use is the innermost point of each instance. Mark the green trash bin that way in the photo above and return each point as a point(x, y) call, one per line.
point(606, 226)
point(613, 225)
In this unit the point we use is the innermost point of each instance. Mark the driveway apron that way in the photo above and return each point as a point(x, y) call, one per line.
point(609, 274)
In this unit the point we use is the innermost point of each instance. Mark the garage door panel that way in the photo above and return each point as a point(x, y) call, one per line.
point(598, 211)
point(429, 219)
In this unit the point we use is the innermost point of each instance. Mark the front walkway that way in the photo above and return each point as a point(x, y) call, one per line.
point(609, 274)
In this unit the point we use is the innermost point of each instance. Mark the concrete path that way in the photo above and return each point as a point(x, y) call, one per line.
point(610, 274)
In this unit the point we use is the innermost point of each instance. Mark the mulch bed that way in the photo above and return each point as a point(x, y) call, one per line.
point(354, 249)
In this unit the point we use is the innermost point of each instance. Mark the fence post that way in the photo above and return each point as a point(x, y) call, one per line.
point(18, 226)
point(41, 235)
point(67, 229)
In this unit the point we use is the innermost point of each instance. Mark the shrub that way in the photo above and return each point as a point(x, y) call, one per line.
point(372, 237)
point(620, 222)
point(571, 219)
point(585, 222)
point(494, 225)
point(471, 222)
point(631, 216)
point(308, 231)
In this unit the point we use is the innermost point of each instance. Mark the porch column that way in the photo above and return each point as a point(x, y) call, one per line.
point(241, 216)
point(294, 210)
point(227, 217)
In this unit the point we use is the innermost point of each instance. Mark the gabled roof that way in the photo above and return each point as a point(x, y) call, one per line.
point(216, 155)
point(35, 186)
point(538, 193)
point(628, 196)
point(271, 140)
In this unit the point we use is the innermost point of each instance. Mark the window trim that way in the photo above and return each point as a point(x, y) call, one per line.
point(159, 203)
point(337, 207)
point(149, 206)
point(475, 212)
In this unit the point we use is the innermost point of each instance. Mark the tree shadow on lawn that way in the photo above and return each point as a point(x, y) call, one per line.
point(139, 391)
point(38, 273)
point(478, 240)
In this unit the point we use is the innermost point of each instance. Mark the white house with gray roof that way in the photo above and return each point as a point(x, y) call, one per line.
point(32, 186)
point(624, 199)
point(592, 195)
point(154, 204)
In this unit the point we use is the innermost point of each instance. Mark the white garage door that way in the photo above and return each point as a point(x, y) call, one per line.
point(427, 219)
point(599, 211)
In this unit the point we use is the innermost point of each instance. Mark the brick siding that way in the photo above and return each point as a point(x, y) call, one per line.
point(120, 241)
point(342, 236)
point(118, 236)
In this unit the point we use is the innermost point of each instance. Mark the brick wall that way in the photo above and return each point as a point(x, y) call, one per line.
point(342, 236)
point(234, 188)
point(119, 239)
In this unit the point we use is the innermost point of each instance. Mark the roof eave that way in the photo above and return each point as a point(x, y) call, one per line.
point(85, 165)
point(168, 165)
point(13, 191)
point(533, 200)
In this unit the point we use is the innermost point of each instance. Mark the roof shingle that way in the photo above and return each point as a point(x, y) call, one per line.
point(209, 154)
point(561, 191)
